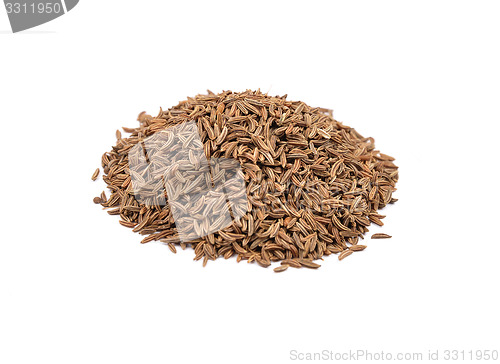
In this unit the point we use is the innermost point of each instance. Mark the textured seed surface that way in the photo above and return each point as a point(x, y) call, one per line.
point(345, 254)
point(95, 174)
point(357, 248)
point(281, 268)
point(381, 236)
point(313, 184)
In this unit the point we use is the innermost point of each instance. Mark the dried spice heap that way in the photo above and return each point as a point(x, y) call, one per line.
point(313, 184)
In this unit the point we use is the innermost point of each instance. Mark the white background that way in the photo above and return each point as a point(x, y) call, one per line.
point(421, 77)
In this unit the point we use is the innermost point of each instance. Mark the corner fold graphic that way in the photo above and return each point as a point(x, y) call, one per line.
point(26, 14)
point(70, 4)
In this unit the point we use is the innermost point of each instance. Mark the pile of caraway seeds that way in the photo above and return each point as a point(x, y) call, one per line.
point(313, 185)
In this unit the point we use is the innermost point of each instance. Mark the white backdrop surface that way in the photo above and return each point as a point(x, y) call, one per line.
point(422, 78)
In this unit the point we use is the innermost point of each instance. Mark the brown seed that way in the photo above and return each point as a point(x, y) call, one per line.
point(172, 248)
point(292, 263)
point(97, 200)
point(129, 224)
point(281, 268)
point(95, 175)
point(381, 236)
point(308, 264)
point(357, 248)
point(345, 254)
